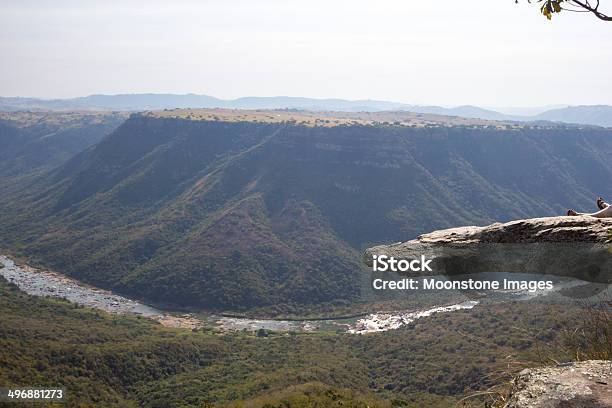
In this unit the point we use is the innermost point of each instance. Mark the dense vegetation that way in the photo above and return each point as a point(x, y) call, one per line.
point(37, 141)
point(106, 360)
point(240, 215)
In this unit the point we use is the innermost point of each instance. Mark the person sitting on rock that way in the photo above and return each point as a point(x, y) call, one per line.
point(605, 210)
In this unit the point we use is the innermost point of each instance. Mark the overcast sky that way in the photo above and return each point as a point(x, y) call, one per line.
point(447, 52)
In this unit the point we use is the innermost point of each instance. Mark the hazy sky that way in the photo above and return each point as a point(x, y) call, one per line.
point(450, 52)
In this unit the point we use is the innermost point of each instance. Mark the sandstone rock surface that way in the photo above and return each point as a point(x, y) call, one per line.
point(564, 246)
point(586, 384)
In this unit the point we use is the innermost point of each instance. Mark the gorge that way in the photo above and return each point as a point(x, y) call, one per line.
point(183, 209)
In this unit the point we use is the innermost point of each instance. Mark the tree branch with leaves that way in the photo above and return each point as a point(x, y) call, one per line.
point(550, 7)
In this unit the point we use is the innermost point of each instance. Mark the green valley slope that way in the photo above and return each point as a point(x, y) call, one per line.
point(243, 213)
point(119, 361)
point(32, 142)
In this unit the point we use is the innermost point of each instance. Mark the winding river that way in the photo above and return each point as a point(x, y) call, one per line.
point(38, 282)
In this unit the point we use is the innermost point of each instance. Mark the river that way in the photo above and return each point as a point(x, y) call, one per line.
point(38, 282)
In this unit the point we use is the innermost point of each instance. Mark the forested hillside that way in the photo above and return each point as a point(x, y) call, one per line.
point(38, 141)
point(106, 360)
point(219, 214)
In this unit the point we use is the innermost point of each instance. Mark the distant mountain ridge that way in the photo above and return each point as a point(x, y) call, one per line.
point(596, 115)
point(599, 115)
point(171, 101)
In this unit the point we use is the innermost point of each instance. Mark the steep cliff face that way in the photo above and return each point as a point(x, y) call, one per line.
point(565, 246)
point(585, 384)
point(238, 214)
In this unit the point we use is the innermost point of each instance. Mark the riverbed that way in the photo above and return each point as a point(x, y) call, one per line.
point(39, 282)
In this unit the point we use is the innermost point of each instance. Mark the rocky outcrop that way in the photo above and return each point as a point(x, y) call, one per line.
point(564, 246)
point(586, 384)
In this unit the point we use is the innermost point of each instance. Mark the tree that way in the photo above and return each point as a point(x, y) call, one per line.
point(550, 7)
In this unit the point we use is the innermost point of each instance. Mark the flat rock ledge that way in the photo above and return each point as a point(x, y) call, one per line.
point(563, 246)
point(586, 384)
